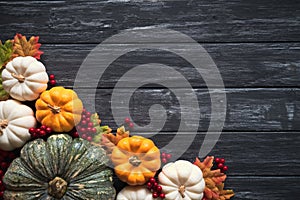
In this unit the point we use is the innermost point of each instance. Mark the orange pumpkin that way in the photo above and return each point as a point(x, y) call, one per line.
point(136, 160)
point(59, 108)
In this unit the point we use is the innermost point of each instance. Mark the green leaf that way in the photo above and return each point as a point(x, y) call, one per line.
point(6, 51)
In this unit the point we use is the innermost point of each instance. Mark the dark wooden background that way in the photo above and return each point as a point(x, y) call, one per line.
point(255, 44)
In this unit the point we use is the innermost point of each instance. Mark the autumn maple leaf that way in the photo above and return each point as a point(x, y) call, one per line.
point(214, 180)
point(22, 47)
point(109, 141)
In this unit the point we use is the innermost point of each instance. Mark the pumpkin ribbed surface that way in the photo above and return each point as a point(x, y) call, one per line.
point(60, 168)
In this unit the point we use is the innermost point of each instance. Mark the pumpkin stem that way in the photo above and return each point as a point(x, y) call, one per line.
point(135, 161)
point(3, 124)
point(57, 187)
point(19, 77)
point(181, 190)
point(54, 109)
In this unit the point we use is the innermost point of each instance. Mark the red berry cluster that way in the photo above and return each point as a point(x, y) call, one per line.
point(52, 80)
point(42, 131)
point(165, 157)
point(221, 164)
point(128, 123)
point(155, 188)
point(6, 158)
point(86, 127)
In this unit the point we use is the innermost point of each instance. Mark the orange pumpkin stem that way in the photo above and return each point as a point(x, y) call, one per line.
point(54, 109)
point(181, 190)
point(19, 77)
point(135, 161)
point(3, 124)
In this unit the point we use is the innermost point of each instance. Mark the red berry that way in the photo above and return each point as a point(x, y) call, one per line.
point(38, 130)
point(131, 125)
point(164, 160)
point(1, 173)
point(94, 130)
point(152, 180)
point(220, 166)
point(155, 185)
point(169, 156)
point(84, 136)
point(149, 185)
point(83, 110)
point(83, 116)
point(163, 155)
point(51, 77)
point(83, 122)
point(82, 130)
point(162, 195)
point(75, 134)
point(88, 114)
point(88, 119)
point(43, 133)
point(1, 193)
point(89, 138)
point(88, 129)
point(90, 124)
point(217, 160)
point(155, 195)
point(43, 127)
point(48, 130)
point(4, 165)
point(127, 120)
point(225, 168)
point(158, 188)
point(222, 160)
point(52, 82)
point(32, 130)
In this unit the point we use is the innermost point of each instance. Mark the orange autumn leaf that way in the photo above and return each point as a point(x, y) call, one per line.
point(214, 180)
point(109, 140)
point(22, 47)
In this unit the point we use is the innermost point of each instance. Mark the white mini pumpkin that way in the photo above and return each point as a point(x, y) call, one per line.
point(15, 120)
point(182, 181)
point(24, 78)
point(135, 193)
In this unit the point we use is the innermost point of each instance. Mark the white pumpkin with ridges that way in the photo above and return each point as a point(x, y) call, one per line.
point(135, 193)
point(182, 181)
point(15, 120)
point(24, 78)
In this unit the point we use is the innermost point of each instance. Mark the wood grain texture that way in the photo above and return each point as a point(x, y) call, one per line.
point(93, 21)
point(254, 109)
point(241, 65)
point(255, 45)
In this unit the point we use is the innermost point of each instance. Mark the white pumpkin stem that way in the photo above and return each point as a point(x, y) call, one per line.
point(181, 190)
point(135, 161)
point(54, 109)
point(57, 187)
point(3, 124)
point(19, 77)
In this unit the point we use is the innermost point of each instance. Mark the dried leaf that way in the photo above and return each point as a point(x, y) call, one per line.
point(109, 141)
point(214, 180)
point(6, 51)
point(3, 94)
point(22, 47)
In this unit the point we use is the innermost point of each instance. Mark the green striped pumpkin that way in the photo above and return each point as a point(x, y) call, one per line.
point(61, 168)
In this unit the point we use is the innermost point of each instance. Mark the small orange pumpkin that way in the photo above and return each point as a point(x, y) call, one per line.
point(59, 108)
point(136, 160)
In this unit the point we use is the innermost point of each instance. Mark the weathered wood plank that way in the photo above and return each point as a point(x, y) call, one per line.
point(246, 153)
point(241, 65)
point(247, 109)
point(260, 188)
point(93, 21)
